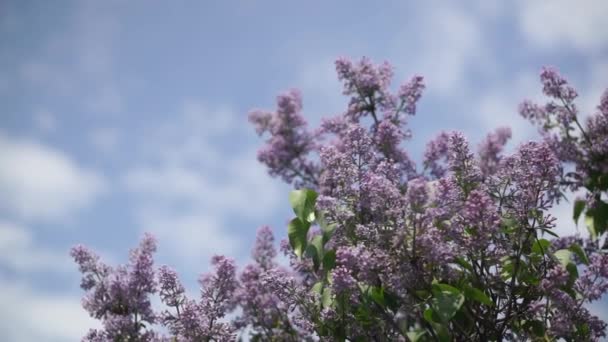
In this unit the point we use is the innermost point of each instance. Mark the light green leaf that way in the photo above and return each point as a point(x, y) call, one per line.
point(303, 204)
point(327, 297)
point(590, 227)
point(564, 257)
point(415, 335)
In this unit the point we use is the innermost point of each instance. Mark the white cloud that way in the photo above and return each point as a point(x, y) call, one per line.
point(19, 252)
point(188, 187)
point(244, 186)
point(558, 23)
point(28, 316)
point(441, 43)
point(498, 106)
point(41, 183)
point(88, 45)
point(191, 238)
point(593, 90)
point(321, 90)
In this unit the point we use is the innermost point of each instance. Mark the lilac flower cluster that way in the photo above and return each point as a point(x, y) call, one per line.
point(472, 217)
point(289, 144)
point(380, 250)
point(121, 298)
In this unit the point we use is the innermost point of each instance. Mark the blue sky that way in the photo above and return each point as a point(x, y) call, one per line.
point(123, 117)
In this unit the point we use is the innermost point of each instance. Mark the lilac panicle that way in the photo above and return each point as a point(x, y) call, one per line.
point(410, 93)
point(490, 149)
point(436, 151)
point(264, 251)
point(286, 150)
point(555, 86)
point(120, 297)
point(171, 289)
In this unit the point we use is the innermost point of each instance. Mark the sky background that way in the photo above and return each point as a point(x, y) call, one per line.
point(120, 117)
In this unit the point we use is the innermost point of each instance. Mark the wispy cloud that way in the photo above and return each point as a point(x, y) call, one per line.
point(187, 189)
point(564, 24)
point(28, 315)
point(39, 182)
point(21, 254)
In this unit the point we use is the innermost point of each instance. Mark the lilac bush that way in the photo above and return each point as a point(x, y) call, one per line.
point(461, 248)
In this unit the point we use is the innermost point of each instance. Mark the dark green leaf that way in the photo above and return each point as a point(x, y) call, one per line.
point(580, 252)
point(537, 327)
point(329, 260)
point(297, 231)
point(579, 206)
point(550, 232)
point(377, 295)
point(314, 250)
point(478, 295)
point(446, 301)
point(541, 246)
point(573, 271)
point(326, 228)
point(465, 264)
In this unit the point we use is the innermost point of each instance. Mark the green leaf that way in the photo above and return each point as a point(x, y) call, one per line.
point(580, 252)
point(564, 257)
point(328, 231)
point(297, 231)
point(363, 315)
point(415, 335)
point(465, 264)
point(329, 260)
point(579, 206)
point(478, 295)
point(537, 327)
point(573, 271)
point(430, 316)
point(317, 287)
point(327, 297)
point(550, 232)
point(446, 301)
point(377, 295)
point(541, 246)
point(314, 250)
point(590, 226)
point(303, 204)
point(600, 217)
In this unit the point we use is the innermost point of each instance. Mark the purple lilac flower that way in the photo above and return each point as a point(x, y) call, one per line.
point(490, 149)
point(286, 150)
point(410, 93)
